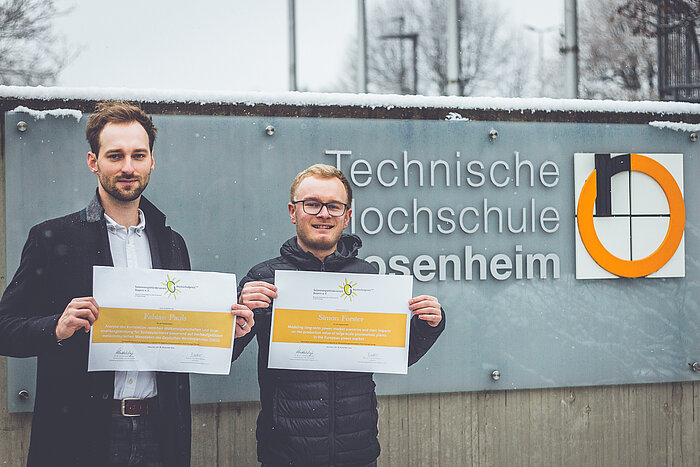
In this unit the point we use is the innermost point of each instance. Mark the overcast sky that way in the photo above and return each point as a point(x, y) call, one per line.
point(233, 45)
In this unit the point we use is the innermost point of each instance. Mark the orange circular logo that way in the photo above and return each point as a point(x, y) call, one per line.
point(674, 235)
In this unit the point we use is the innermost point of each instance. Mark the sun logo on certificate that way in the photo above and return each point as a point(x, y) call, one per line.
point(171, 286)
point(348, 291)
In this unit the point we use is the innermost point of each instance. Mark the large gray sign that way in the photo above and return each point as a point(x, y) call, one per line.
point(484, 221)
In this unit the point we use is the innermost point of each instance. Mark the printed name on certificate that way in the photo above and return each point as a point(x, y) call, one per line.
point(340, 322)
point(159, 320)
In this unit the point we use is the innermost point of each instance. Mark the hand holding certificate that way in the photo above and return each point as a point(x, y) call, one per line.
point(159, 320)
point(340, 322)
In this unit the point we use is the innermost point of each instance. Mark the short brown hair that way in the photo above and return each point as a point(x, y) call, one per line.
point(117, 112)
point(322, 171)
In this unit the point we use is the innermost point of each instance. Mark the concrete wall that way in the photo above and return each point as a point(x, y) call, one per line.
point(640, 425)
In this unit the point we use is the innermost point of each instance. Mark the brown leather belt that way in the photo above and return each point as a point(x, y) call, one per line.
point(132, 407)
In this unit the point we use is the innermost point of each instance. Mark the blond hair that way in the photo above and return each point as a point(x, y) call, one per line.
point(321, 171)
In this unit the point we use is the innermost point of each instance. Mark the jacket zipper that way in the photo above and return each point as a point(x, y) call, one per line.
point(331, 414)
point(331, 406)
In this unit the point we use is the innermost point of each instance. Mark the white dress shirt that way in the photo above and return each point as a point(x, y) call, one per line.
point(130, 249)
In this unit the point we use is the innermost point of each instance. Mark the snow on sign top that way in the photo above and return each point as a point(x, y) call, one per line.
point(41, 114)
point(676, 126)
point(388, 101)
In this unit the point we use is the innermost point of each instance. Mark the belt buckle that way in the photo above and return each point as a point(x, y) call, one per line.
point(123, 407)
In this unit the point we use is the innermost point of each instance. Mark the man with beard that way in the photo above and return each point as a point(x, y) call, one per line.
point(99, 418)
point(321, 417)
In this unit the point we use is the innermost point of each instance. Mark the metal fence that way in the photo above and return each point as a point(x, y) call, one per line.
point(679, 54)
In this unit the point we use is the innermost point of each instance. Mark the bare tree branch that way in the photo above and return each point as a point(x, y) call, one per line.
point(643, 14)
point(30, 52)
point(489, 50)
point(616, 62)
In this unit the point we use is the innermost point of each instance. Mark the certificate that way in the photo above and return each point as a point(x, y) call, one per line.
point(161, 320)
point(340, 322)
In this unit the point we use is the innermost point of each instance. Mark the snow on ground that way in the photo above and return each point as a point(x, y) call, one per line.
point(388, 101)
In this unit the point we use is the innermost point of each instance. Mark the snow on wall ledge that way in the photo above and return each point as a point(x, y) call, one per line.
point(42, 114)
point(388, 101)
point(676, 126)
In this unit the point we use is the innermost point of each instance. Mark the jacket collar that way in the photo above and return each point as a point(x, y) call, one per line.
point(94, 212)
point(347, 248)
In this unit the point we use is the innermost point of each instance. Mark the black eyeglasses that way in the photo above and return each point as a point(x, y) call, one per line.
point(313, 207)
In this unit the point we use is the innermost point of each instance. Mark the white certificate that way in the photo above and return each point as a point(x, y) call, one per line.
point(340, 322)
point(161, 320)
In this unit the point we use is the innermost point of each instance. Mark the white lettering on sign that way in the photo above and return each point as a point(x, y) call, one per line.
point(472, 265)
point(499, 173)
point(519, 215)
point(447, 219)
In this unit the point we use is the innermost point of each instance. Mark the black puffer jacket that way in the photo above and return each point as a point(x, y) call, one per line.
point(319, 417)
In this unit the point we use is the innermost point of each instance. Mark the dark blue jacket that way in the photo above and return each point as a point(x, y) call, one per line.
point(319, 417)
point(72, 412)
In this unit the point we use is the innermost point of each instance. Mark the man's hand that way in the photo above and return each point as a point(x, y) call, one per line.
point(80, 313)
point(427, 308)
point(257, 294)
point(244, 319)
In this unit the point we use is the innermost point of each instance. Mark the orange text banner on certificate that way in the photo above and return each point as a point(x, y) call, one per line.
point(171, 327)
point(339, 327)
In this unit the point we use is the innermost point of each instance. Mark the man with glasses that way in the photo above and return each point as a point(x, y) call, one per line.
point(321, 417)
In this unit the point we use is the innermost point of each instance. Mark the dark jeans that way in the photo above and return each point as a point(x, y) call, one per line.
point(134, 442)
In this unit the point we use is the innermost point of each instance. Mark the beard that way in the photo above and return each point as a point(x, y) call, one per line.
point(306, 235)
point(110, 185)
